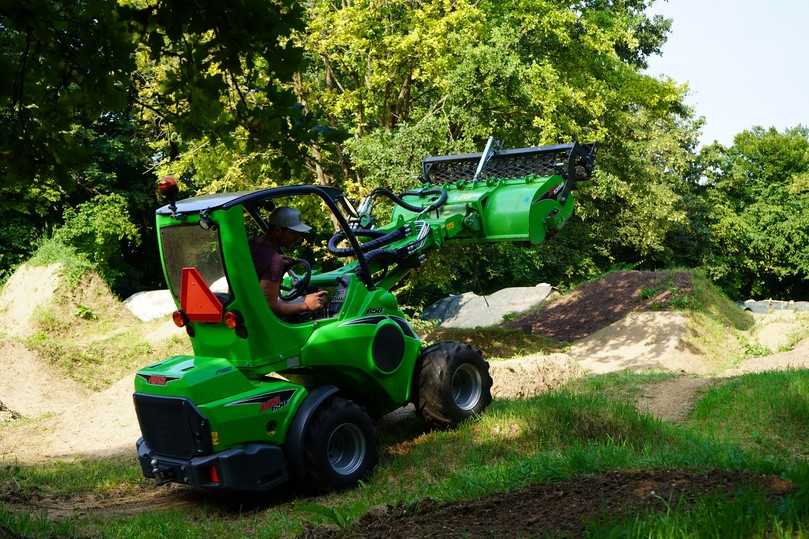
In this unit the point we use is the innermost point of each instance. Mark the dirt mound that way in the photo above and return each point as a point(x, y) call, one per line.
point(597, 304)
point(525, 377)
point(556, 508)
point(100, 424)
point(797, 358)
point(29, 288)
point(779, 329)
point(30, 387)
point(641, 341)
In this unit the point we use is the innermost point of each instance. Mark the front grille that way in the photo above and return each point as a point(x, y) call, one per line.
point(172, 426)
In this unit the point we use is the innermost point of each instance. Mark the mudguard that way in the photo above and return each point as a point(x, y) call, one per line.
point(297, 431)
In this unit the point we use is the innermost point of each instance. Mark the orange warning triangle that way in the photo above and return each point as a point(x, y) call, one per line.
point(196, 299)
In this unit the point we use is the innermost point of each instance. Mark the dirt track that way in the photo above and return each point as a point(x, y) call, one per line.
point(554, 508)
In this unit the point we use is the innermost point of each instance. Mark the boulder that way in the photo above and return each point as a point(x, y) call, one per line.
point(470, 310)
point(151, 304)
point(771, 305)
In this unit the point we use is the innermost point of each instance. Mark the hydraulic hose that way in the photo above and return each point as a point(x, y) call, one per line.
point(380, 238)
point(442, 198)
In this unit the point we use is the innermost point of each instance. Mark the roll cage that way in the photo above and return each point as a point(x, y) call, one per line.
point(251, 200)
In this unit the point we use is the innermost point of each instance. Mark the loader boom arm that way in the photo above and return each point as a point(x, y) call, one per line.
point(516, 195)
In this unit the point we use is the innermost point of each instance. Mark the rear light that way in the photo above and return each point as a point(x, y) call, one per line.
point(234, 321)
point(214, 475)
point(179, 318)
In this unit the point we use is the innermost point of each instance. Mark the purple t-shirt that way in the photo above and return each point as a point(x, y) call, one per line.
point(269, 262)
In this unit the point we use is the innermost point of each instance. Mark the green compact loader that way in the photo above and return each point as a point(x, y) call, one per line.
point(264, 400)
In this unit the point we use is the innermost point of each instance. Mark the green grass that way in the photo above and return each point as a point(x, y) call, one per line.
point(764, 412)
point(588, 428)
point(749, 514)
point(68, 478)
point(21, 525)
point(621, 386)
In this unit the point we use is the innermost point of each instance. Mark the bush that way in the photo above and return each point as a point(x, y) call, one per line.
point(99, 230)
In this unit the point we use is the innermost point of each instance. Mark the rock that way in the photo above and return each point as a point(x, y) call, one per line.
point(151, 304)
point(770, 305)
point(469, 310)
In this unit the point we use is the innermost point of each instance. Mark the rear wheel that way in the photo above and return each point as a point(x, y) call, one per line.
point(453, 384)
point(340, 446)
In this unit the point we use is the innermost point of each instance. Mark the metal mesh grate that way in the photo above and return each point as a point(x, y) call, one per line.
point(172, 426)
point(516, 163)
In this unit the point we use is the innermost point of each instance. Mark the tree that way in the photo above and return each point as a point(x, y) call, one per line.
point(409, 79)
point(65, 64)
point(756, 208)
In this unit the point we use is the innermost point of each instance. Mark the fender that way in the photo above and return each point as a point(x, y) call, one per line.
point(294, 444)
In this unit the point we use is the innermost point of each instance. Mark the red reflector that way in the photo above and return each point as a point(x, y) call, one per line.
point(214, 475)
point(157, 380)
point(179, 318)
point(231, 320)
point(196, 299)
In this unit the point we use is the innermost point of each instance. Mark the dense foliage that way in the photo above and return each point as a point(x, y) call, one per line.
point(105, 96)
point(755, 217)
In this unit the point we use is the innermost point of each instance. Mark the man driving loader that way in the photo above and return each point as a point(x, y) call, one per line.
point(285, 230)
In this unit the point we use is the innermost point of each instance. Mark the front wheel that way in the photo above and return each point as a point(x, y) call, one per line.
point(453, 384)
point(340, 446)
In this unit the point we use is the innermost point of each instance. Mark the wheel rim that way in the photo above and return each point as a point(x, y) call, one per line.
point(467, 387)
point(346, 449)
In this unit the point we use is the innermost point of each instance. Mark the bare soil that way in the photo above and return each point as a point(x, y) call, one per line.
point(597, 304)
point(109, 503)
point(100, 424)
point(672, 400)
point(642, 341)
point(525, 377)
point(29, 288)
point(797, 358)
point(562, 508)
point(778, 329)
point(31, 387)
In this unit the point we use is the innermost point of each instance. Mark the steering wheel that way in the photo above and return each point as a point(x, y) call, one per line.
point(299, 272)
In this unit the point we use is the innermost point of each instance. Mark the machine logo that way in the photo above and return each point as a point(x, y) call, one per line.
point(268, 401)
point(374, 310)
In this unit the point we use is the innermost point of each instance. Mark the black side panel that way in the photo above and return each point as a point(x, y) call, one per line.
point(388, 348)
point(294, 445)
point(173, 426)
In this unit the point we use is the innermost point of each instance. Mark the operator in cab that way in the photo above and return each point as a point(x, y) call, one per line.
point(286, 230)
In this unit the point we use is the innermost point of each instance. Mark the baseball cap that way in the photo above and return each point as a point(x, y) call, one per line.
point(290, 218)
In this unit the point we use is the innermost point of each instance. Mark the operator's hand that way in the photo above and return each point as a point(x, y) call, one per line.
point(315, 301)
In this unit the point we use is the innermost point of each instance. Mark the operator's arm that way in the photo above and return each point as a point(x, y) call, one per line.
point(311, 302)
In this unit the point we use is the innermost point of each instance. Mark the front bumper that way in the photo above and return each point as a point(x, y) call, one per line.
point(256, 467)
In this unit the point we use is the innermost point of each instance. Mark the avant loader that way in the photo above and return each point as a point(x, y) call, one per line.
point(265, 400)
